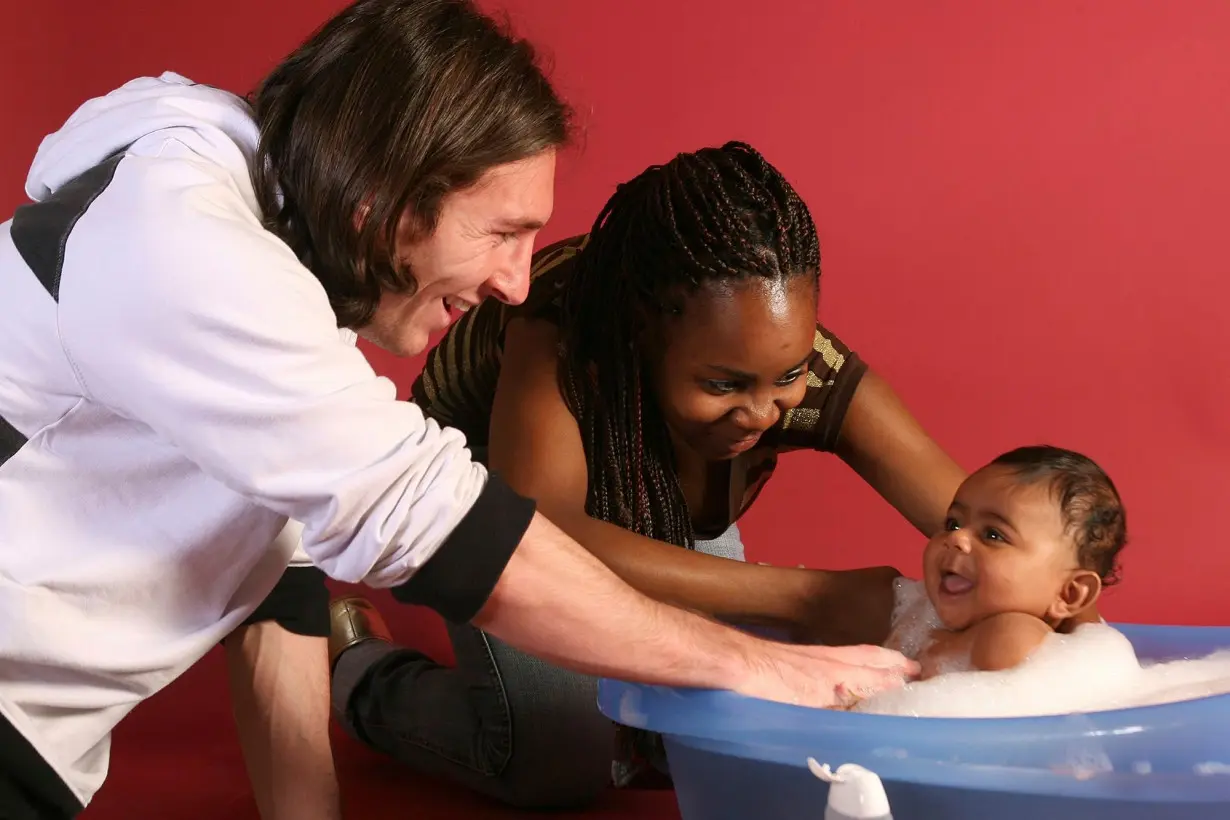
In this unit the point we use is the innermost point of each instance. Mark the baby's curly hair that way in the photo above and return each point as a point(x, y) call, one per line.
point(1088, 501)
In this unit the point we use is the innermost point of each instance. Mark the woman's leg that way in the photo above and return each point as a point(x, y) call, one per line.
point(501, 722)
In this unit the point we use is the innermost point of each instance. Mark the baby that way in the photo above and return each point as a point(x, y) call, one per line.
point(1030, 541)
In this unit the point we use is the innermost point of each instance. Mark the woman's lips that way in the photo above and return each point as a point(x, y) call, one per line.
point(744, 444)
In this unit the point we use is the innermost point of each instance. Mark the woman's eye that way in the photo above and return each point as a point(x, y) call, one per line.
point(719, 386)
point(790, 378)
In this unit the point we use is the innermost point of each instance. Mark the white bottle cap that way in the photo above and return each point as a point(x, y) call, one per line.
point(854, 792)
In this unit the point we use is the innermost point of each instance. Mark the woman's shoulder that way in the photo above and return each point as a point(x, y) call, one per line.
point(550, 272)
point(557, 253)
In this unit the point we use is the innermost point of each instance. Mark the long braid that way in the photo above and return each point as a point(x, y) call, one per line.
point(716, 214)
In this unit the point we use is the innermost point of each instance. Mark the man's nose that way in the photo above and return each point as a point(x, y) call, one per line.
point(511, 282)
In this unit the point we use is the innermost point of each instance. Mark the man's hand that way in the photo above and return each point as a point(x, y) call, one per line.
point(822, 676)
point(847, 608)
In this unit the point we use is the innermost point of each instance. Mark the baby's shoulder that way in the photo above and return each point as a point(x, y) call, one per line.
point(1005, 640)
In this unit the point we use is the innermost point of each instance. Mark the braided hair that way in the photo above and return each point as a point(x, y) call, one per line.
point(718, 215)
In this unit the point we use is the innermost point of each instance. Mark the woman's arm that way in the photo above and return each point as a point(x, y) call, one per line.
point(887, 446)
point(558, 602)
point(535, 445)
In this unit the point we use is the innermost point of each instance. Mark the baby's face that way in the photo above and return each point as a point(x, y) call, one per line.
point(1003, 549)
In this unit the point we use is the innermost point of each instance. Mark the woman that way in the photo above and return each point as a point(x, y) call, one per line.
point(642, 395)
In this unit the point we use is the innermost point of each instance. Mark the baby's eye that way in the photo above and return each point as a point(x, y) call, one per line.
point(951, 525)
point(992, 534)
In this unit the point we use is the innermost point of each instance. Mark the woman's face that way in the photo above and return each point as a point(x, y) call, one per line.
point(733, 360)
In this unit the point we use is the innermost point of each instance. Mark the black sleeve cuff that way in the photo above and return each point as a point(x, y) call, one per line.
point(299, 603)
point(457, 581)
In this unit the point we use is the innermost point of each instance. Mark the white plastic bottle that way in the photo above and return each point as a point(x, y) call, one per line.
point(855, 793)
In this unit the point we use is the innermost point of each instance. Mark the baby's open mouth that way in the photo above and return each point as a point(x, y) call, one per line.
point(953, 584)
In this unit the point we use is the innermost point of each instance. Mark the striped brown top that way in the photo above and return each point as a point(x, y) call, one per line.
point(457, 385)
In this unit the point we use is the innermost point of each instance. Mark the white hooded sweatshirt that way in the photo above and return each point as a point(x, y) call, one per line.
point(173, 389)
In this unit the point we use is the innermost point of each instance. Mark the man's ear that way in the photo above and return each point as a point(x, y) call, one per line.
point(1079, 593)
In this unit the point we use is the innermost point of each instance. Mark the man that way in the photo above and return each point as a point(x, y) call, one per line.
point(178, 381)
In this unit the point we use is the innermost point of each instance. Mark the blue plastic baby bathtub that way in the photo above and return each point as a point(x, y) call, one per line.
point(736, 758)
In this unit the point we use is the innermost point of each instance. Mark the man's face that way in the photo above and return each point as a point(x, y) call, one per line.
point(481, 247)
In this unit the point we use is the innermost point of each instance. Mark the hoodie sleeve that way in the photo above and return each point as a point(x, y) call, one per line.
point(180, 312)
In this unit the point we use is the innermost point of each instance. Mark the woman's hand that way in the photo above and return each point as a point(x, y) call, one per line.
point(846, 608)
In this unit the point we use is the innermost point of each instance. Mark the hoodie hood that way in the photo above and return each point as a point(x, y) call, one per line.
point(214, 123)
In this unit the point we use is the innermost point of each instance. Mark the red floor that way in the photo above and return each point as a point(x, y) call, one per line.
point(177, 756)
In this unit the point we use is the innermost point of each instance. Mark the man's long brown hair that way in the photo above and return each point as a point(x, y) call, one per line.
point(385, 110)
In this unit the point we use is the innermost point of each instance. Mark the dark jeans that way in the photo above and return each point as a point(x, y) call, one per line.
point(501, 722)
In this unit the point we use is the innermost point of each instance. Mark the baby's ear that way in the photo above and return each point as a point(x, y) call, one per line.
point(1079, 593)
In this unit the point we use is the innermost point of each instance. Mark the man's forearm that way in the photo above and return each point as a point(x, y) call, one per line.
point(584, 617)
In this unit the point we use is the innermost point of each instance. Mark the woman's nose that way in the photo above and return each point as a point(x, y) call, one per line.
point(761, 415)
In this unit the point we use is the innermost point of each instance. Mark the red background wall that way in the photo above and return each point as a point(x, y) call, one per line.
point(1021, 205)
